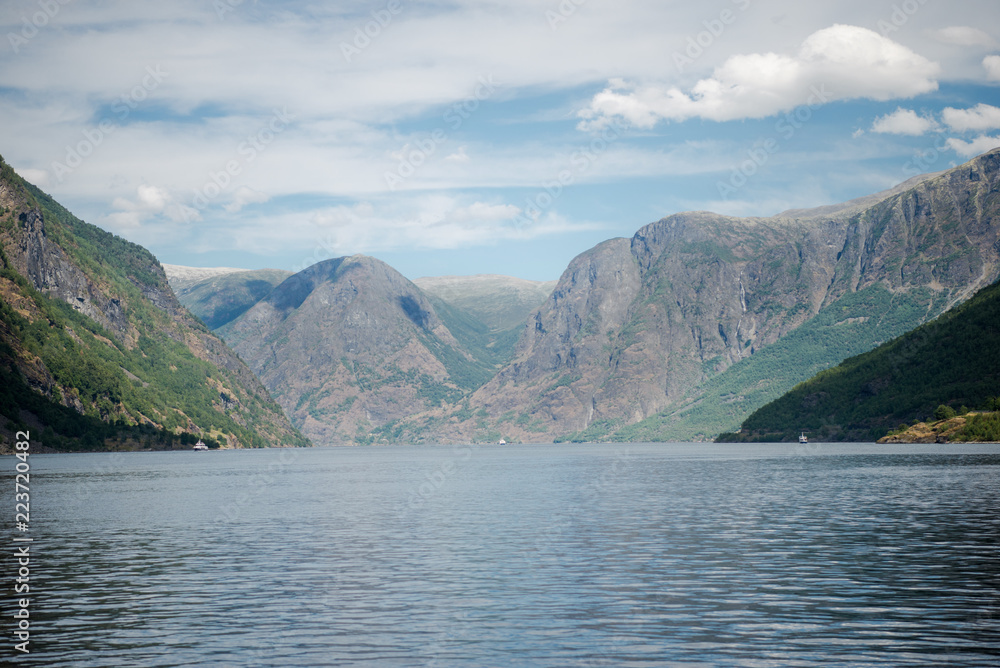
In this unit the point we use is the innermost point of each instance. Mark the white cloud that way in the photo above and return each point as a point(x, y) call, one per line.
point(479, 212)
point(992, 65)
point(152, 198)
point(149, 199)
point(980, 144)
point(38, 177)
point(149, 203)
point(125, 220)
point(962, 36)
point(836, 63)
point(221, 87)
point(903, 122)
point(459, 156)
point(400, 222)
point(979, 118)
point(245, 195)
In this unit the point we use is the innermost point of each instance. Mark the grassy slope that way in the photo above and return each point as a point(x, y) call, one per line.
point(838, 331)
point(139, 393)
point(501, 303)
point(221, 299)
point(954, 359)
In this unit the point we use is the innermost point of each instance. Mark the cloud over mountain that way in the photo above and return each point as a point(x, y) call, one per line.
point(836, 63)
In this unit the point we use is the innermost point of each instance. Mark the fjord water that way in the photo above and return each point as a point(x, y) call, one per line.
point(632, 555)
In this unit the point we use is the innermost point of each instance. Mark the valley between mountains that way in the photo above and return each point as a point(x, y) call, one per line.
point(677, 333)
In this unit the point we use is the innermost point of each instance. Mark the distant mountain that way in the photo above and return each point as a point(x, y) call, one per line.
point(678, 333)
point(219, 295)
point(184, 278)
point(684, 330)
point(95, 350)
point(349, 348)
point(499, 302)
point(953, 360)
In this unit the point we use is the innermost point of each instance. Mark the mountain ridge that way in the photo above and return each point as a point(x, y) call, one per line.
point(678, 332)
point(702, 293)
point(96, 350)
point(349, 347)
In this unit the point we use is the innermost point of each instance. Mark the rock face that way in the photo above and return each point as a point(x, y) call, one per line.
point(679, 333)
point(127, 355)
point(635, 327)
point(349, 346)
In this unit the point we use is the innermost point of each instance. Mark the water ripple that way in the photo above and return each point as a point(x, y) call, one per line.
point(550, 555)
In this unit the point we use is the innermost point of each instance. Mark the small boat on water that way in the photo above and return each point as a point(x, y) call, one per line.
point(502, 442)
point(802, 438)
point(200, 445)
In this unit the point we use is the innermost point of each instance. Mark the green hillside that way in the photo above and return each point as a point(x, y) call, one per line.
point(221, 299)
point(501, 303)
point(491, 348)
point(953, 361)
point(95, 352)
point(844, 328)
point(486, 313)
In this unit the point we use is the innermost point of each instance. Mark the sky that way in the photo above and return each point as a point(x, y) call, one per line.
point(465, 137)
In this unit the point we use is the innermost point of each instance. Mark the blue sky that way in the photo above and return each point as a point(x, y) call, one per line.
point(471, 137)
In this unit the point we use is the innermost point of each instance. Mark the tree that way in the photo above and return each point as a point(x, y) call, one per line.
point(943, 412)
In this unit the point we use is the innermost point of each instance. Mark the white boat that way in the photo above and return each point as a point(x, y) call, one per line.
point(502, 442)
point(802, 438)
point(200, 445)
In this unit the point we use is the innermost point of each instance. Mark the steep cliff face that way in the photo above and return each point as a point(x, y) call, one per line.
point(633, 324)
point(90, 324)
point(639, 328)
point(49, 269)
point(349, 346)
point(677, 333)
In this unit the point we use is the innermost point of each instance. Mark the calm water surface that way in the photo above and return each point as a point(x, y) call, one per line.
point(626, 555)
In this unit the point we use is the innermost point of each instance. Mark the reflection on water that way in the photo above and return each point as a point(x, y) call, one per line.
point(632, 555)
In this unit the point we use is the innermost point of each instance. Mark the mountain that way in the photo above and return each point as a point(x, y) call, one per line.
point(953, 360)
point(677, 333)
point(219, 295)
point(96, 351)
point(349, 348)
point(699, 319)
point(485, 312)
point(501, 303)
